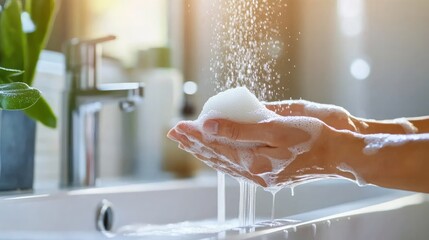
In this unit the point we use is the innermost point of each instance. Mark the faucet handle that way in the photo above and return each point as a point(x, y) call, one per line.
point(83, 59)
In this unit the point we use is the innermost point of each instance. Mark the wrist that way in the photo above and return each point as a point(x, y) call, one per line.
point(352, 162)
point(342, 152)
point(329, 147)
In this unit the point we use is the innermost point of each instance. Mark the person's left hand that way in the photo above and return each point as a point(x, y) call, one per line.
point(333, 116)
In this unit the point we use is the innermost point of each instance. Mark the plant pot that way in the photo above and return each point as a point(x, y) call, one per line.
point(17, 147)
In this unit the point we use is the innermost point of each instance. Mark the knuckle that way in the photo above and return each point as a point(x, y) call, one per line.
point(272, 133)
point(235, 133)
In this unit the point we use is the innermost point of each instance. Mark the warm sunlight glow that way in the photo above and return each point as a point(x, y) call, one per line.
point(137, 24)
point(351, 13)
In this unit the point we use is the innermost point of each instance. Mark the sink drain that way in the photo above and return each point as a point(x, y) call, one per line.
point(105, 217)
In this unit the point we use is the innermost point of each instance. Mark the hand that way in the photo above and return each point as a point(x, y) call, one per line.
point(334, 116)
point(277, 152)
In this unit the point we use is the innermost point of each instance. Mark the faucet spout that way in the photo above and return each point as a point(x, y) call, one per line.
point(111, 93)
point(83, 99)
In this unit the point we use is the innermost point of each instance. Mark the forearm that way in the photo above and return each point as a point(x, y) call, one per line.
point(395, 126)
point(392, 161)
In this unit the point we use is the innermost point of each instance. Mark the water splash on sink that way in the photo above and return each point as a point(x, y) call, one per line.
point(195, 230)
point(208, 227)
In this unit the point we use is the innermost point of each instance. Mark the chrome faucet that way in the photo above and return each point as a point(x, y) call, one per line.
point(83, 99)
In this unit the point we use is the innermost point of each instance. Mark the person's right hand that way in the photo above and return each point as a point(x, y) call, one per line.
point(333, 116)
point(281, 151)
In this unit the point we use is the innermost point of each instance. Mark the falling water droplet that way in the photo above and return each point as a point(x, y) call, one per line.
point(286, 234)
point(314, 226)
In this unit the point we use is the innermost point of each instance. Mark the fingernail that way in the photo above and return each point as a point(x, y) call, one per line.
point(179, 126)
point(211, 127)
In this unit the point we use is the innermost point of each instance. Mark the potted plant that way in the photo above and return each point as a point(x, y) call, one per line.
point(24, 29)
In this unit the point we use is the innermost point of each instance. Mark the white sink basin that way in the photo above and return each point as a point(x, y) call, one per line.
point(353, 212)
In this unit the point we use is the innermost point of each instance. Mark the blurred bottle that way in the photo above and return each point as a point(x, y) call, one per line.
point(161, 108)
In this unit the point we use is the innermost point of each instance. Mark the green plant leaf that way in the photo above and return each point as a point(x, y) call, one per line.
point(43, 113)
point(13, 44)
point(42, 13)
point(17, 96)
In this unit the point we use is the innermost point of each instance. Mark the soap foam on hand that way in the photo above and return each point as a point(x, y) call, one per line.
point(240, 105)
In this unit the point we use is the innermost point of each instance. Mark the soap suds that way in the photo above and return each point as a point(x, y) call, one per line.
point(375, 142)
point(177, 230)
point(347, 169)
point(408, 127)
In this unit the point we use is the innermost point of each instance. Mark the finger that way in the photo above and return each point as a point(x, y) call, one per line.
point(196, 148)
point(242, 132)
point(182, 139)
point(275, 153)
point(178, 132)
point(200, 144)
point(172, 134)
point(297, 107)
point(270, 160)
point(190, 132)
point(222, 149)
point(274, 106)
point(185, 126)
point(261, 165)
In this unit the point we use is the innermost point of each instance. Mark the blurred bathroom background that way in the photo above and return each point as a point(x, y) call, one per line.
point(369, 56)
